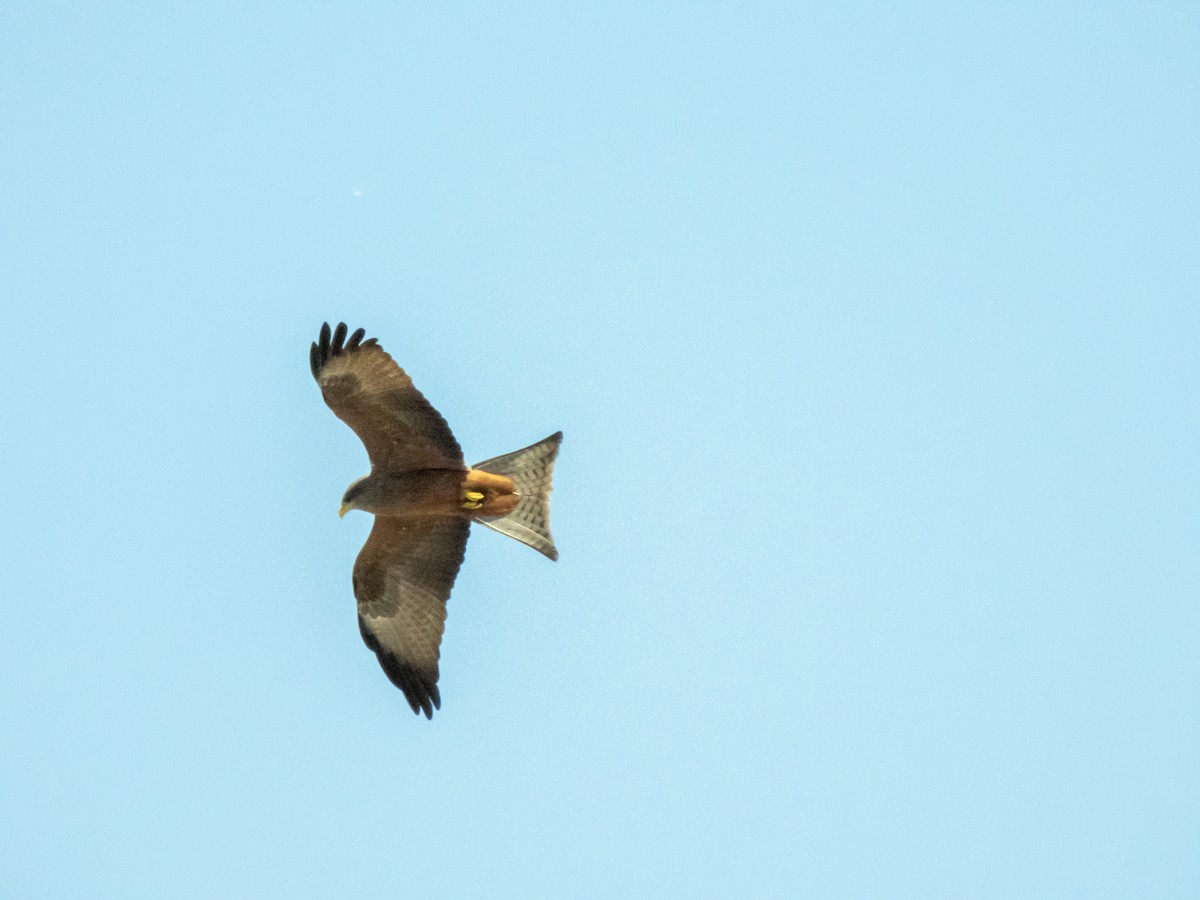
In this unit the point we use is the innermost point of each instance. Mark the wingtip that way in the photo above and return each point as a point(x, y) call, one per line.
point(333, 342)
point(432, 699)
point(418, 687)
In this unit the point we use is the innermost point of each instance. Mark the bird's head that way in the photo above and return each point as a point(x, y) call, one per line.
point(354, 497)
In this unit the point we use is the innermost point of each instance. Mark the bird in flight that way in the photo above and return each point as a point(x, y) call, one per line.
point(424, 499)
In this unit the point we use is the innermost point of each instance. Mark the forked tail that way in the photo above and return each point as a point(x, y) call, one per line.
point(531, 470)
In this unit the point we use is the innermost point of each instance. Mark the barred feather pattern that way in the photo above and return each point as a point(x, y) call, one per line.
point(531, 470)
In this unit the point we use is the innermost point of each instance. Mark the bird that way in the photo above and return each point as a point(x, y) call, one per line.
point(424, 499)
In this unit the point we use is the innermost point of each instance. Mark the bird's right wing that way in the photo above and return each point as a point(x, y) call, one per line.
point(402, 580)
point(368, 391)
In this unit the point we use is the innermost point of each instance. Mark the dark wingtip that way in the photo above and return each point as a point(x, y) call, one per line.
point(419, 688)
point(420, 693)
point(332, 342)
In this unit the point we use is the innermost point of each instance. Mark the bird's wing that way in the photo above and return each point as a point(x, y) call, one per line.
point(368, 391)
point(402, 580)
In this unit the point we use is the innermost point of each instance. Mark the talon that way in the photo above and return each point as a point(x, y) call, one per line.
point(473, 496)
point(472, 504)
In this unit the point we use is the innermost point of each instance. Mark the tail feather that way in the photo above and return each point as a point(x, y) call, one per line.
point(531, 470)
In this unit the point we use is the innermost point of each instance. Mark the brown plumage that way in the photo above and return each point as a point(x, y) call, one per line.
point(424, 498)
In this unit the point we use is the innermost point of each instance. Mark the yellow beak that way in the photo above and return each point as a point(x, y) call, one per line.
point(342, 510)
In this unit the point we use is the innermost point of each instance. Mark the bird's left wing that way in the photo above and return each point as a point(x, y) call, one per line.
point(368, 391)
point(402, 580)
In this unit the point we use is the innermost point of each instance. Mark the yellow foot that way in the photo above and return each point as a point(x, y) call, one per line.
point(472, 500)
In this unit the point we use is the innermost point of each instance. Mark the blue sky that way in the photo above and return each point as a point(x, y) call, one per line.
point(872, 331)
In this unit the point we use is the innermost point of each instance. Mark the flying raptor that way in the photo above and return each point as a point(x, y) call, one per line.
point(424, 499)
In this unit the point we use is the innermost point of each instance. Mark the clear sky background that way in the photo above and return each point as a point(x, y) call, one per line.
point(873, 332)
